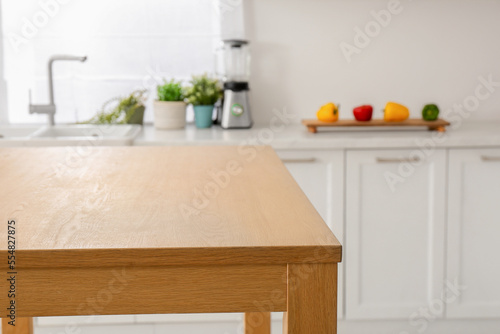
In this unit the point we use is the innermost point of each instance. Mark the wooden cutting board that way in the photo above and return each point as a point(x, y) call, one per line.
point(437, 125)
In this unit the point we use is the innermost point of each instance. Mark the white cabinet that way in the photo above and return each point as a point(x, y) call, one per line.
point(395, 230)
point(474, 232)
point(320, 174)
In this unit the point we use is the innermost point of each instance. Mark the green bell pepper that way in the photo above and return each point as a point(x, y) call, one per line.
point(430, 112)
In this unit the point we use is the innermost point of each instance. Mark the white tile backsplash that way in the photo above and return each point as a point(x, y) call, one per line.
point(130, 45)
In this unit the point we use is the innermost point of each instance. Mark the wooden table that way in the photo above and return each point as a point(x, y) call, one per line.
point(164, 230)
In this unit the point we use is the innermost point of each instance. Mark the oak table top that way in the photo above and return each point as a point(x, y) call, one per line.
point(149, 206)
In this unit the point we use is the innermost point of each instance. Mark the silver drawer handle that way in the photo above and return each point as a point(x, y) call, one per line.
point(489, 158)
point(294, 161)
point(397, 160)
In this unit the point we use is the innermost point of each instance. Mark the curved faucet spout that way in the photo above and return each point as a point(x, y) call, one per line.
point(50, 109)
point(51, 78)
point(67, 57)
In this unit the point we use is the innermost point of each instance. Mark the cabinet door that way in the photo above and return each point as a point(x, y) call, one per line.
point(474, 232)
point(395, 219)
point(320, 174)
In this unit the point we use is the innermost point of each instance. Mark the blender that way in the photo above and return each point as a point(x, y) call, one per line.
point(236, 74)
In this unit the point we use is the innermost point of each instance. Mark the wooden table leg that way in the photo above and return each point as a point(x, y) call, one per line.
point(312, 299)
point(258, 323)
point(23, 326)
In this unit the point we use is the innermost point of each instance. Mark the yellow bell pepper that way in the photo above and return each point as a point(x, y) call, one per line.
point(328, 113)
point(395, 112)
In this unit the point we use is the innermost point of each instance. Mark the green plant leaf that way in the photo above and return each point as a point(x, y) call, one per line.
point(122, 112)
point(170, 91)
point(203, 90)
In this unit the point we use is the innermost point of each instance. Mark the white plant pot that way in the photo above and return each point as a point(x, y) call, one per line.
point(170, 115)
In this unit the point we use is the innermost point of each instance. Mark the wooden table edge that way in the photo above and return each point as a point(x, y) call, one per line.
point(70, 258)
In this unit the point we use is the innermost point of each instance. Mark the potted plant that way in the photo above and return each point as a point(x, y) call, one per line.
point(170, 108)
point(128, 110)
point(203, 93)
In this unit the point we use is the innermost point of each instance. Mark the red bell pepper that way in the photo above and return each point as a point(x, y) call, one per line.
point(363, 113)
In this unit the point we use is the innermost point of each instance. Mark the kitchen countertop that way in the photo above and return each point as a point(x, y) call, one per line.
point(468, 134)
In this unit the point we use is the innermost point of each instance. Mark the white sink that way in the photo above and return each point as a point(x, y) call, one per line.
point(69, 135)
point(15, 135)
point(8, 132)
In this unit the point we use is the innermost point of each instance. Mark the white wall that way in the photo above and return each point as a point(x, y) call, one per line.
point(433, 51)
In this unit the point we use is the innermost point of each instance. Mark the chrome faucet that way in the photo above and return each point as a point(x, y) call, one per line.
point(50, 109)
